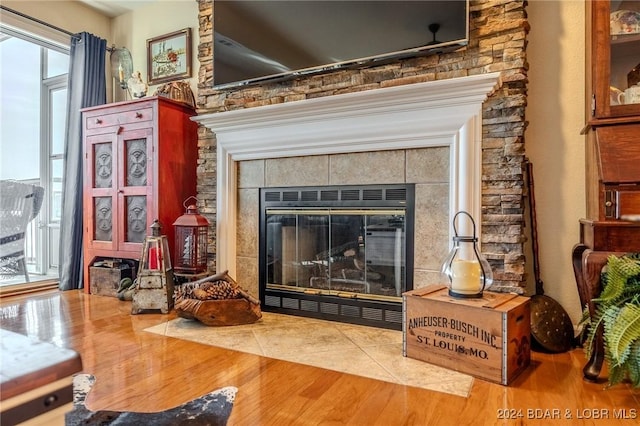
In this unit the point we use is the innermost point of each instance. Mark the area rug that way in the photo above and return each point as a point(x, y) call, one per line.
point(364, 351)
point(211, 409)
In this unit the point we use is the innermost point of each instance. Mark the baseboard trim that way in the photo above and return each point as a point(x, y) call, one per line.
point(28, 289)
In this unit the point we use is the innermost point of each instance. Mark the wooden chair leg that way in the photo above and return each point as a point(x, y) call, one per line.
point(587, 266)
point(592, 368)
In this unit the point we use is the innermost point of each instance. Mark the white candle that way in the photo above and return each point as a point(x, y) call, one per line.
point(466, 276)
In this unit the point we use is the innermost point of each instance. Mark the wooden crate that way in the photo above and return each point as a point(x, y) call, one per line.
point(105, 281)
point(488, 338)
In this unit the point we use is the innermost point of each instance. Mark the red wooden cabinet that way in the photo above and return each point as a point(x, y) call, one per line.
point(139, 165)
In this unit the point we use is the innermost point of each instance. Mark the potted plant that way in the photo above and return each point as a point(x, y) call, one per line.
point(618, 312)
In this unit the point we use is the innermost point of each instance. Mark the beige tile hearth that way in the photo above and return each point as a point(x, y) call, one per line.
point(363, 351)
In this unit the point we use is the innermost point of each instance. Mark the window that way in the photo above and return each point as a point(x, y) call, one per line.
point(33, 108)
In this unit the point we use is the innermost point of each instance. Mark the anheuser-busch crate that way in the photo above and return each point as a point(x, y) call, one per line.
point(487, 337)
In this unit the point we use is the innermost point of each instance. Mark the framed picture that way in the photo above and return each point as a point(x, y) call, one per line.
point(169, 57)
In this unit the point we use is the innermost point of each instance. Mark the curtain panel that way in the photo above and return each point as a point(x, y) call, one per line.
point(87, 87)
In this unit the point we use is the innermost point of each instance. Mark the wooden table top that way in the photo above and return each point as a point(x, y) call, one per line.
point(29, 363)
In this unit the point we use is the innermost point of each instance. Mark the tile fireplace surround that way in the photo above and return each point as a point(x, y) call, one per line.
point(316, 135)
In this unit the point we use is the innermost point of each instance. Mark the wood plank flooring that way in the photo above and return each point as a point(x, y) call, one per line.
point(141, 371)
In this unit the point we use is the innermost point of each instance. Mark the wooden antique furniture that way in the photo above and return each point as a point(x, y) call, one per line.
point(612, 225)
point(139, 165)
point(36, 380)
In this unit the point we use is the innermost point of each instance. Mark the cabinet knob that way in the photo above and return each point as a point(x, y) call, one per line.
point(120, 191)
point(98, 121)
point(138, 115)
point(608, 204)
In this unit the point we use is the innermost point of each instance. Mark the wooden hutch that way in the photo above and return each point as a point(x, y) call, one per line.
point(139, 165)
point(612, 225)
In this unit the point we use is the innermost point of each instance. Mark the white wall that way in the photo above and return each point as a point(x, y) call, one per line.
point(153, 20)
point(71, 16)
point(555, 111)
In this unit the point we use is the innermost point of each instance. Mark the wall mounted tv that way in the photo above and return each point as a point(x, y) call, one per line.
point(259, 41)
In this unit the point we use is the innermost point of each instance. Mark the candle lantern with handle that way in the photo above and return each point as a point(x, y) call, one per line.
point(466, 272)
point(154, 284)
point(191, 238)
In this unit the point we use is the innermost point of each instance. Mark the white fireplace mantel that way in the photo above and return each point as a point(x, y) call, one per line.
point(436, 113)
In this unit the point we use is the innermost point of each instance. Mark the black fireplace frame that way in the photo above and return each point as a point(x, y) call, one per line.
point(377, 313)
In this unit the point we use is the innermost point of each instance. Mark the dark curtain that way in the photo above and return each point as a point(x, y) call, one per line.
point(87, 87)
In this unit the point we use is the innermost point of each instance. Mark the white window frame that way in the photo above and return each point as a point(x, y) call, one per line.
point(49, 38)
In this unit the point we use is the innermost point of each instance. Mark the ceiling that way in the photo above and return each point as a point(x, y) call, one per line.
point(113, 8)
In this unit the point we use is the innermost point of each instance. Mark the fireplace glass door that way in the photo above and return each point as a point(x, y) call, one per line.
point(357, 253)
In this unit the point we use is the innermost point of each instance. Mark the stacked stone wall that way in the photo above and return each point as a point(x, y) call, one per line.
point(497, 43)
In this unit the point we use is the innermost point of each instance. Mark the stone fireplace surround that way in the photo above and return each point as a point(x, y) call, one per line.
point(443, 113)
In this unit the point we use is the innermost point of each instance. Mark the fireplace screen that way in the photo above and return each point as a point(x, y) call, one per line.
point(338, 243)
point(331, 251)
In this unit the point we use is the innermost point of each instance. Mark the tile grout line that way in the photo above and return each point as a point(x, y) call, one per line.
point(397, 380)
point(255, 337)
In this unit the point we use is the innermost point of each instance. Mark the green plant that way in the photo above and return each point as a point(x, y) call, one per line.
point(618, 311)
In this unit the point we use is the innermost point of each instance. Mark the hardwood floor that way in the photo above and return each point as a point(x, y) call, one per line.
point(141, 371)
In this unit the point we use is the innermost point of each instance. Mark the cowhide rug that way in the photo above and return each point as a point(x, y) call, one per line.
point(211, 409)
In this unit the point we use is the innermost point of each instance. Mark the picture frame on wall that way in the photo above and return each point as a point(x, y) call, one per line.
point(169, 57)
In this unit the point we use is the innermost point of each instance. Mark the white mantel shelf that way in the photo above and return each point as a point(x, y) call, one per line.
point(436, 113)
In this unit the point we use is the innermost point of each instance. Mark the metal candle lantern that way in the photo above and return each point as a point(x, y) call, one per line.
point(155, 251)
point(191, 237)
point(468, 273)
point(154, 284)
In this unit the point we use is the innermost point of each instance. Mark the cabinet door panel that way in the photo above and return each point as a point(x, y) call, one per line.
point(135, 152)
point(136, 162)
point(103, 165)
point(136, 223)
point(103, 219)
point(100, 191)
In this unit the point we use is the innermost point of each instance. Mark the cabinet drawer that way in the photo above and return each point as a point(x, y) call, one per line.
point(118, 118)
point(620, 202)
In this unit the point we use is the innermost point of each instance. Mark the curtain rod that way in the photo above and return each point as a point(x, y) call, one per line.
point(31, 18)
point(46, 24)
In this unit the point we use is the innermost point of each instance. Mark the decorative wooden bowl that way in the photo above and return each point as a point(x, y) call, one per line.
point(238, 307)
point(219, 312)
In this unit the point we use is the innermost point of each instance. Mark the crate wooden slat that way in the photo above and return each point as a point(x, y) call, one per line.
point(105, 281)
point(488, 337)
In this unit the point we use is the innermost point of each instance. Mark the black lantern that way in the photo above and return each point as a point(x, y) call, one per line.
point(190, 249)
point(467, 272)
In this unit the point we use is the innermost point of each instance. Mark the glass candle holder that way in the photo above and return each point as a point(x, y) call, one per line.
point(466, 272)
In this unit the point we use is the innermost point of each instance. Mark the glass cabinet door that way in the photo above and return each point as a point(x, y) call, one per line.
point(616, 58)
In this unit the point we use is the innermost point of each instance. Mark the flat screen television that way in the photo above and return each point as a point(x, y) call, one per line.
point(260, 41)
